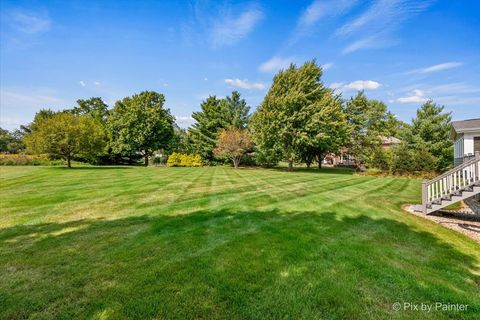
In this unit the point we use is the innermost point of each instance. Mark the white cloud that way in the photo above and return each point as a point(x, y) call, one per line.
point(336, 85)
point(82, 83)
point(321, 8)
point(26, 98)
point(375, 26)
point(438, 67)
point(205, 79)
point(363, 85)
point(275, 64)
point(229, 30)
point(368, 42)
point(10, 123)
point(383, 13)
point(30, 23)
point(416, 96)
point(245, 84)
point(184, 121)
point(356, 85)
point(96, 83)
point(327, 66)
point(457, 87)
point(19, 105)
point(318, 10)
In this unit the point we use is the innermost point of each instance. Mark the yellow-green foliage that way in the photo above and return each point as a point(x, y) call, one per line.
point(28, 160)
point(173, 160)
point(184, 160)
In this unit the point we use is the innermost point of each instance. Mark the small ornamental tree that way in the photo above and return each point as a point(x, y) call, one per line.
point(233, 143)
point(66, 135)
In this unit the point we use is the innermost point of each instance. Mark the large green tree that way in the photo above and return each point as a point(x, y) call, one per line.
point(140, 124)
point(11, 142)
point(430, 131)
point(94, 107)
point(39, 117)
point(369, 121)
point(217, 114)
point(299, 116)
point(66, 135)
point(181, 141)
point(326, 129)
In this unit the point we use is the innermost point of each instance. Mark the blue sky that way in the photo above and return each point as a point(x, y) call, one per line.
point(401, 52)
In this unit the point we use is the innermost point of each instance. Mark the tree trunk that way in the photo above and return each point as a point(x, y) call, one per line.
point(146, 159)
point(308, 164)
point(290, 165)
point(319, 160)
point(69, 162)
point(235, 162)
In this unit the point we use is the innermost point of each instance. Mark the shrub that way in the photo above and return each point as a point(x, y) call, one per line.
point(374, 172)
point(184, 160)
point(28, 160)
point(158, 159)
point(196, 160)
point(381, 159)
point(174, 160)
point(402, 160)
point(267, 157)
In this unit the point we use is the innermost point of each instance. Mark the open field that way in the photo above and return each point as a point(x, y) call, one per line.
point(131, 242)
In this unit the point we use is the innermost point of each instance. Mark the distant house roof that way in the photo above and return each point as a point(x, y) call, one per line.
point(464, 126)
point(390, 140)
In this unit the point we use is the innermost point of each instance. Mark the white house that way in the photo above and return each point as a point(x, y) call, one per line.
point(466, 134)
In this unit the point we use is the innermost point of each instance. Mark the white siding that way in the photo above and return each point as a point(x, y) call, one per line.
point(458, 148)
point(468, 143)
point(464, 145)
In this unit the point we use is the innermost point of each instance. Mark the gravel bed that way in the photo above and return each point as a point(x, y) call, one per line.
point(463, 220)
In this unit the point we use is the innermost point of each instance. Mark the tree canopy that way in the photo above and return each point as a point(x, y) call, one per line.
point(233, 143)
point(140, 124)
point(215, 115)
point(430, 130)
point(94, 107)
point(370, 121)
point(11, 142)
point(66, 135)
point(299, 115)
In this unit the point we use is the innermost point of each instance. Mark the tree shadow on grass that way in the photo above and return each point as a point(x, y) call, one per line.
point(323, 170)
point(75, 168)
point(231, 264)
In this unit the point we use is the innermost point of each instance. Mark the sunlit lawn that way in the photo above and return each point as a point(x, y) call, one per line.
point(155, 243)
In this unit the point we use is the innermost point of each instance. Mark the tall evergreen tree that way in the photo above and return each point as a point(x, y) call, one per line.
point(430, 130)
point(217, 114)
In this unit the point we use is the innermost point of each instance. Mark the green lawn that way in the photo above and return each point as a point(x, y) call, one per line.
point(156, 243)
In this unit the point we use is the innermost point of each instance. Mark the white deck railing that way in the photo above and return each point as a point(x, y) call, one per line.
point(451, 182)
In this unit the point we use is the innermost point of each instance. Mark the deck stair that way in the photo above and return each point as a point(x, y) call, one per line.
point(460, 183)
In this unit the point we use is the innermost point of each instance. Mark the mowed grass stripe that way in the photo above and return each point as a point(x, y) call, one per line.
point(221, 243)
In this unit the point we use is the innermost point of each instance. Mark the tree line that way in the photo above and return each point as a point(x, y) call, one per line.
point(300, 120)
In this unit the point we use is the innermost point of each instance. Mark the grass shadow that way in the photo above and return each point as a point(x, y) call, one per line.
point(75, 168)
point(323, 170)
point(231, 264)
